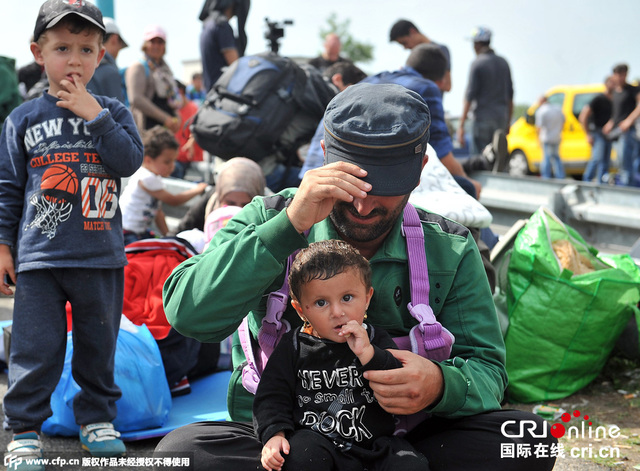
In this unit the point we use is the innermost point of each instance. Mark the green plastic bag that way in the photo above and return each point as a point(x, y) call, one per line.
point(562, 326)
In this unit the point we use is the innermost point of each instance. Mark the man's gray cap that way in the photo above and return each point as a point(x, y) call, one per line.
point(382, 128)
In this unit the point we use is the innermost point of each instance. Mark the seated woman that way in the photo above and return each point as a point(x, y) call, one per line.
point(238, 181)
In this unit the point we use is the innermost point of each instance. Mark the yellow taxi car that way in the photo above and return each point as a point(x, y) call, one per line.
point(524, 146)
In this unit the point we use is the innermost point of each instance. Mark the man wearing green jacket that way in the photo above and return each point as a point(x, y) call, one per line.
point(375, 142)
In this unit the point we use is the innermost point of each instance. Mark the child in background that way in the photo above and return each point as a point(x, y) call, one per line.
point(195, 90)
point(62, 156)
point(189, 150)
point(141, 198)
point(313, 409)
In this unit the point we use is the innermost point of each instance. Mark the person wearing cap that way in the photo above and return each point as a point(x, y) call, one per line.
point(489, 96)
point(151, 89)
point(405, 33)
point(106, 81)
point(375, 140)
point(62, 157)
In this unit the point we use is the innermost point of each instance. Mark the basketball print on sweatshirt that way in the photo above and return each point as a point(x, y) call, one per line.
point(54, 202)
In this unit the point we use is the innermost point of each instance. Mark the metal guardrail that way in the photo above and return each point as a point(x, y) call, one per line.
point(608, 217)
point(175, 185)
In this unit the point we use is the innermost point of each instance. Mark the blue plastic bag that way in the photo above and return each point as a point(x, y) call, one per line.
point(145, 401)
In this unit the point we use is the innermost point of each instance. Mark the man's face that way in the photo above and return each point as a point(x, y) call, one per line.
point(620, 78)
point(114, 45)
point(367, 219)
point(332, 46)
point(409, 41)
point(610, 84)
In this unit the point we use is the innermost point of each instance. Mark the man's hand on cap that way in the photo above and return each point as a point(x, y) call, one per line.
point(321, 188)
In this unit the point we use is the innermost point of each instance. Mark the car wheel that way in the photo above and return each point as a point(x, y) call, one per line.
point(518, 165)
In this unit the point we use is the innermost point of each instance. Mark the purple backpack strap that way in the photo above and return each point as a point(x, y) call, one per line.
point(272, 329)
point(427, 339)
point(250, 371)
point(273, 326)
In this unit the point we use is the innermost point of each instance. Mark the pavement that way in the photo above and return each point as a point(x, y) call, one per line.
point(69, 447)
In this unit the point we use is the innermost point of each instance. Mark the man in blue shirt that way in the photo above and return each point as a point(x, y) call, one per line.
point(106, 80)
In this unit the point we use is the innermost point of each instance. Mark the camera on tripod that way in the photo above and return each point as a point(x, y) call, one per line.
point(275, 31)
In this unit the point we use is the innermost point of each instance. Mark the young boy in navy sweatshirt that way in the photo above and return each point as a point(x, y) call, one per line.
point(61, 159)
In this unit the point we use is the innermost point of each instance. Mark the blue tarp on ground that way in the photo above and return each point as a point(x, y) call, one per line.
point(207, 401)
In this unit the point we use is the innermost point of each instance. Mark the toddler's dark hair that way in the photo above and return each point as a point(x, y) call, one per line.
point(323, 260)
point(157, 139)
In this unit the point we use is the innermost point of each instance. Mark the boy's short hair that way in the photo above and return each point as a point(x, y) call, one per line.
point(157, 139)
point(401, 28)
point(621, 69)
point(323, 260)
point(77, 16)
point(350, 73)
point(428, 60)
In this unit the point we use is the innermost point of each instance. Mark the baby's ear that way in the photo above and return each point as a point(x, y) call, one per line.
point(297, 307)
point(369, 295)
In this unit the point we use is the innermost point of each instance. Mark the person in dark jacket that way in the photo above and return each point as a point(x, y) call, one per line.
point(107, 81)
point(62, 157)
point(218, 45)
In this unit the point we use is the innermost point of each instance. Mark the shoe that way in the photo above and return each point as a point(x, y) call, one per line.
point(181, 388)
point(500, 150)
point(489, 156)
point(481, 162)
point(24, 448)
point(101, 440)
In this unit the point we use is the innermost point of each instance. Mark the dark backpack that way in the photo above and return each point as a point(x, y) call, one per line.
point(249, 106)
